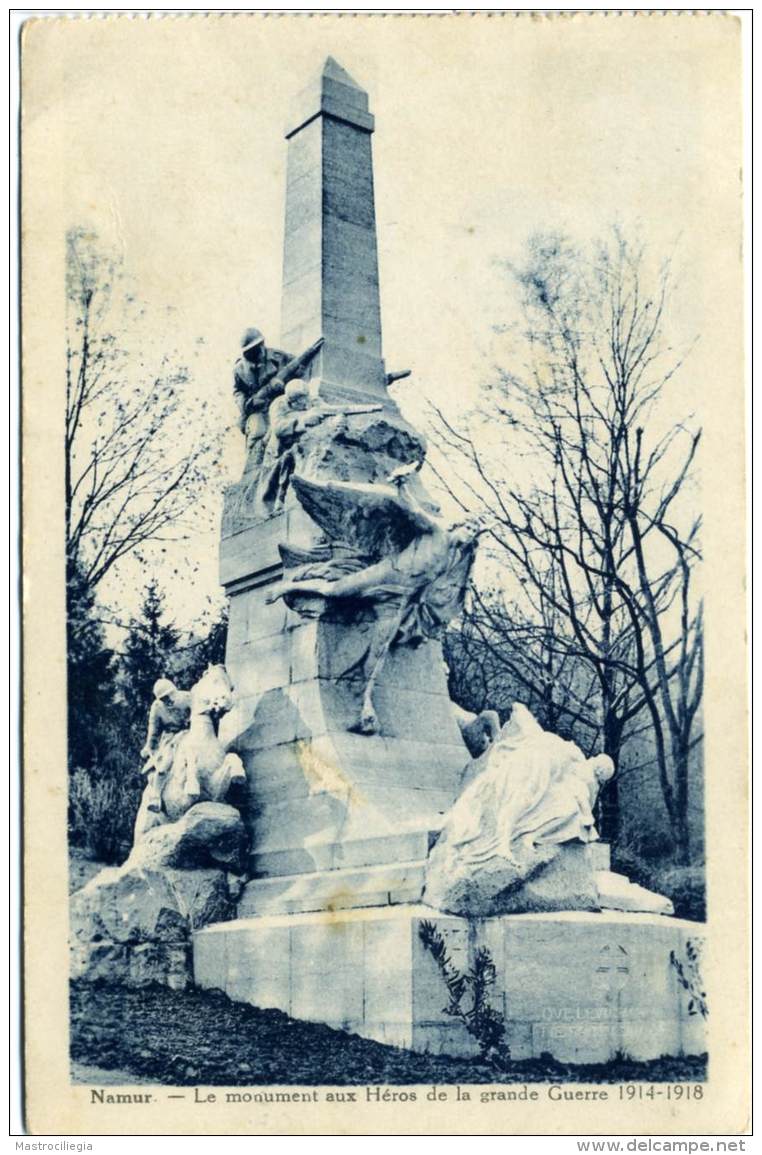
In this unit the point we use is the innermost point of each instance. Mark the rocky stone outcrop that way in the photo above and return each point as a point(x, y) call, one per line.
point(133, 923)
point(568, 879)
point(561, 878)
point(210, 834)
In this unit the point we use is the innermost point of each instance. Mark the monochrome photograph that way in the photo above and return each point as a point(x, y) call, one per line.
point(385, 757)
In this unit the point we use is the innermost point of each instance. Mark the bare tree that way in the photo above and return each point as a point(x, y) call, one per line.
point(499, 653)
point(593, 528)
point(133, 468)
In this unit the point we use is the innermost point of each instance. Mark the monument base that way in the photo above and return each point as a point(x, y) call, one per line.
point(582, 987)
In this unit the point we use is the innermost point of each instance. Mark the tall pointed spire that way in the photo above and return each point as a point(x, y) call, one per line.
point(330, 263)
point(332, 70)
point(335, 93)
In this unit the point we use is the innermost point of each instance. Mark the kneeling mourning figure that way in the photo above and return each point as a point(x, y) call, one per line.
point(504, 846)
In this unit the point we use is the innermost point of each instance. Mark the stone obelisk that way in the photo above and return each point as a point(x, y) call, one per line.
point(336, 817)
point(330, 261)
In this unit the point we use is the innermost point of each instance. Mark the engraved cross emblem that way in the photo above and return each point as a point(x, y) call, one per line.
point(612, 971)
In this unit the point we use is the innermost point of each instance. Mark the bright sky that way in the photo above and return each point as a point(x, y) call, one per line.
point(169, 134)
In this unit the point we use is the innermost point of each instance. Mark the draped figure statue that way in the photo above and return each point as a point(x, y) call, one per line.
point(531, 792)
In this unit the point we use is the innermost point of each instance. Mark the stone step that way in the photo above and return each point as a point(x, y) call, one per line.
point(311, 857)
point(296, 871)
point(369, 886)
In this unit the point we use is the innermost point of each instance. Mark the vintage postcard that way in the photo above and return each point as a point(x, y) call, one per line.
point(384, 574)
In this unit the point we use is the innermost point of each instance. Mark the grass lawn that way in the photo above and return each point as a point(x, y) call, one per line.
point(194, 1037)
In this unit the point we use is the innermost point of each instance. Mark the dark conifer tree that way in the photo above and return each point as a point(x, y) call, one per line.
point(150, 652)
point(90, 670)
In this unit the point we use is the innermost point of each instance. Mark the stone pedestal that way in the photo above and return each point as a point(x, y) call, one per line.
point(390, 869)
point(579, 986)
point(312, 783)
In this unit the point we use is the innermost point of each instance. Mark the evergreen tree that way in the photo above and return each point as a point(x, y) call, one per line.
point(206, 648)
point(90, 670)
point(109, 700)
point(149, 653)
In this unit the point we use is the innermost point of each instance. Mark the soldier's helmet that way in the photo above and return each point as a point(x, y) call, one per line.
point(163, 687)
point(297, 390)
point(251, 339)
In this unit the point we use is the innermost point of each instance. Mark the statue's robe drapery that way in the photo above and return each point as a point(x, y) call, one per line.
point(524, 792)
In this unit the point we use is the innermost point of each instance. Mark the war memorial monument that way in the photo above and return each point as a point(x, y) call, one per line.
point(328, 822)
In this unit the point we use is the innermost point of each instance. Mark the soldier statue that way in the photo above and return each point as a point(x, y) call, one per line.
point(261, 374)
point(169, 717)
point(290, 417)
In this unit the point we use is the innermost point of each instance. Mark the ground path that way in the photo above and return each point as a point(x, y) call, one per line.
point(183, 1038)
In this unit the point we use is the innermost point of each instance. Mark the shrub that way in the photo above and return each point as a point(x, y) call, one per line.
point(652, 843)
point(684, 885)
point(482, 1021)
point(102, 811)
point(688, 970)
